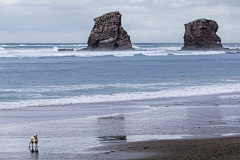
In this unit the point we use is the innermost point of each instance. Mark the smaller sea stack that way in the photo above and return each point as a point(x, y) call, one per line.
point(201, 35)
point(108, 34)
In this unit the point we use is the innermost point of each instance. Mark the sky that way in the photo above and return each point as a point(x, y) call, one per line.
point(146, 21)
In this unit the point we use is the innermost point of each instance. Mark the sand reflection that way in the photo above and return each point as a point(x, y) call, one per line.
point(33, 149)
point(111, 129)
point(113, 139)
point(34, 152)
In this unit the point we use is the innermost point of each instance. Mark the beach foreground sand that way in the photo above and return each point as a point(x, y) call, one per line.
point(209, 148)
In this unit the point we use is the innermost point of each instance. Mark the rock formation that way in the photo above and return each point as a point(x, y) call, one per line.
point(108, 34)
point(201, 35)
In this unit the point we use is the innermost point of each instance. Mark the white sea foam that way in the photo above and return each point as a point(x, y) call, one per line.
point(3, 45)
point(134, 46)
point(167, 48)
point(188, 91)
point(4, 53)
point(55, 49)
point(230, 46)
point(51, 50)
point(198, 52)
point(40, 89)
point(54, 53)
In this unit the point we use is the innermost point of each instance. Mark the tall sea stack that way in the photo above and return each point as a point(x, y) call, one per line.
point(108, 34)
point(201, 35)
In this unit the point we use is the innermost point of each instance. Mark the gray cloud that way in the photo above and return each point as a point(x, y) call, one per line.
point(147, 21)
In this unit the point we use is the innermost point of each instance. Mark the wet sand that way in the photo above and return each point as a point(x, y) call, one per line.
point(224, 148)
point(201, 127)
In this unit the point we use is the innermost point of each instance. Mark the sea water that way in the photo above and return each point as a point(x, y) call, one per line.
point(39, 75)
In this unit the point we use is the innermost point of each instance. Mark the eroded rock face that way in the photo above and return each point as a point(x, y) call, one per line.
point(108, 34)
point(201, 35)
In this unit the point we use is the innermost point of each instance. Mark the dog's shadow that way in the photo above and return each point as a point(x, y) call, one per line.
point(33, 149)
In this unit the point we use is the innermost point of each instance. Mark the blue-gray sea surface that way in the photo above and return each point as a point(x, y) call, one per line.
point(39, 75)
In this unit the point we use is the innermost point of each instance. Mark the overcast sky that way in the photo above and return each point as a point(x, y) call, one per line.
point(146, 21)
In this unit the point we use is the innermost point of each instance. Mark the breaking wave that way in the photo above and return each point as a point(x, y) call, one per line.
point(102, 98)
point(51, 50)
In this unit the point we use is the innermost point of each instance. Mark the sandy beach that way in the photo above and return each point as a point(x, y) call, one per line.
point(200, 127)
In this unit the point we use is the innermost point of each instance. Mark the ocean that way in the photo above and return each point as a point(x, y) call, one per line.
point(38, 75)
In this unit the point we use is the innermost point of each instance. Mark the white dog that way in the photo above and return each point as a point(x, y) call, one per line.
point(33, 139)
